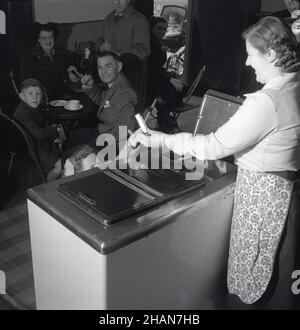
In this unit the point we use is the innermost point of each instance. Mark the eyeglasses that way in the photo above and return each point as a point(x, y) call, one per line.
point(46, 38)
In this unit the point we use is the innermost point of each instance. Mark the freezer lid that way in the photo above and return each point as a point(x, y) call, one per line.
point(113, 195)
point(106, 198)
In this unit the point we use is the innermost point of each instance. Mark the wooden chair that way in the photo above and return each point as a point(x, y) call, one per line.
point(15, 143)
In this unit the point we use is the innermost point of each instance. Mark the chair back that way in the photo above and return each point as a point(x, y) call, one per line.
point(215, 110)
point(9, 97)
point(190, 92)
point(14, 141)
point(14, 84)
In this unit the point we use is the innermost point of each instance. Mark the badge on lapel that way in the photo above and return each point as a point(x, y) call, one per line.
point(107, 104)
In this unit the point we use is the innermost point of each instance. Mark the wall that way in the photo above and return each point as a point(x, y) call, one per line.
point(272, 5)
point(71, 11)
point(216, 42)
point(80, 19)
point(71, 33)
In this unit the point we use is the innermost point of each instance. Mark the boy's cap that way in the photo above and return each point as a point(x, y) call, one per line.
point(30, 82)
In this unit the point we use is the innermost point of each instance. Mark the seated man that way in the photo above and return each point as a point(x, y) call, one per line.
point(117, 101)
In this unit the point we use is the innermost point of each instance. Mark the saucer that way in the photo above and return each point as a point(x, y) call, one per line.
point(80, 106)
point(58, 103)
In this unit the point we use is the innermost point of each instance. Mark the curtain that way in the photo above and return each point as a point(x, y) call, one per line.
point(19, 19)
point(215, 40)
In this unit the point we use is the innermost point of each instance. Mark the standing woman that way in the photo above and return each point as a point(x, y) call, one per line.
point(264, 136)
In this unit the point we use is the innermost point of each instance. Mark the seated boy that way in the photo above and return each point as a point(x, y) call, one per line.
point(80, 158)
point(29, 117)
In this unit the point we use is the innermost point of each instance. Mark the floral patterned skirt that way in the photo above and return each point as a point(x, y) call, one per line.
point(261, 205)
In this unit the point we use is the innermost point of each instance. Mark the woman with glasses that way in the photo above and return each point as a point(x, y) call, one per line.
point(47, 64)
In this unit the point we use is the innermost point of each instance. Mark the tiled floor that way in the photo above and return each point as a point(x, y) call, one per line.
point(5, 305)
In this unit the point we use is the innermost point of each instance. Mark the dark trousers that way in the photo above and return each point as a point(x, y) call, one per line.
point(83, 135)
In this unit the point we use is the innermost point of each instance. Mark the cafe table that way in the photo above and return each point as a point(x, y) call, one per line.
point(56, 111)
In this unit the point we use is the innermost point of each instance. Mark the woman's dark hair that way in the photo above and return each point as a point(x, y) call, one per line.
point(46, 27)
point(273, 33)
point(155, 20)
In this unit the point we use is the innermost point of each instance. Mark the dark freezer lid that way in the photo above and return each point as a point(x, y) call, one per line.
point(105, 197)
point(113, 195)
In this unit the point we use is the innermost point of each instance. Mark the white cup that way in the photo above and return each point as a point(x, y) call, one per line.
point(73, 104)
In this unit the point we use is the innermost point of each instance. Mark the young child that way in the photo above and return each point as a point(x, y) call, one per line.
point(80, 158)
point(173, 25)
point(29, 117)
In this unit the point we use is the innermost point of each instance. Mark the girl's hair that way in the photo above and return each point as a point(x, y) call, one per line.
point(155, 20)
point(79, 153)
point(273, 33)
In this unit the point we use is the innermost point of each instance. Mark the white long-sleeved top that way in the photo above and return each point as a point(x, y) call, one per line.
point(264, 134)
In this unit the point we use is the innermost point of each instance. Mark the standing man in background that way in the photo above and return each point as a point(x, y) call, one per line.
point(116, 101)
point(127, 32)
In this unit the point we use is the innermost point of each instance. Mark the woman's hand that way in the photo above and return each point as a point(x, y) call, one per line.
point(155, 139)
